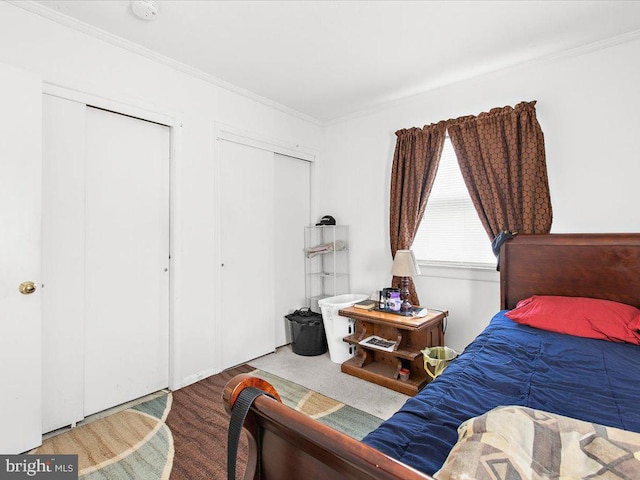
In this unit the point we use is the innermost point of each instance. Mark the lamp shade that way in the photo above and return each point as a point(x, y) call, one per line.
point(404, 264)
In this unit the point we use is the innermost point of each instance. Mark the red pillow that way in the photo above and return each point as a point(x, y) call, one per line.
point(579, 316)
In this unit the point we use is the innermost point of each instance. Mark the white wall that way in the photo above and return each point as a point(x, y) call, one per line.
point(72, 59)
point(589, 109)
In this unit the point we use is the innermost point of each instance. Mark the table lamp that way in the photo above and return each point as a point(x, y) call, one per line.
point(405, 266)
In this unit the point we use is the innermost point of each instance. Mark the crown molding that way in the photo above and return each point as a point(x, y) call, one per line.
point(53, 15)
point(445, 82)
point(426, 89)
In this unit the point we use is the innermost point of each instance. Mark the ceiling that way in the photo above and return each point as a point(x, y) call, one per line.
point(329, 59)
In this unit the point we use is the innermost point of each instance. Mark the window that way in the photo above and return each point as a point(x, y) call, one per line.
point(451, 232)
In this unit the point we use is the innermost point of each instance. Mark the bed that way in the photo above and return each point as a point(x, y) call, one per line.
point(509, 364)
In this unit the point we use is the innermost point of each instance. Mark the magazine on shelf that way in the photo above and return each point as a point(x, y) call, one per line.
point(418, 312)
point(378, 342)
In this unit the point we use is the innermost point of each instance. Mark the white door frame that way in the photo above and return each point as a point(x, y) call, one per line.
point(174, 122)
point(224, 132)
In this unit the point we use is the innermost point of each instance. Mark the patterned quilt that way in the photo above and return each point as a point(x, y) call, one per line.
point(520, 443)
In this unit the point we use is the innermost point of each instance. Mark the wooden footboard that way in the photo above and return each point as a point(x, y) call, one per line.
point(295, 446)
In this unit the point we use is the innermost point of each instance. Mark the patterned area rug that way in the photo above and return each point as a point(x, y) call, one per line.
point(343, 418)
point(134, 443)
point(182, 435)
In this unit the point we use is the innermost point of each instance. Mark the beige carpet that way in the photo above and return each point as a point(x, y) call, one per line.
point(320, 374)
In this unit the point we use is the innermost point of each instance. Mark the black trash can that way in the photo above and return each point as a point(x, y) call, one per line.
point(307, 332)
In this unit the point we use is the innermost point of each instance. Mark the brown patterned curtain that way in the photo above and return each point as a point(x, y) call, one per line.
point(415, 163)
point(502, 158)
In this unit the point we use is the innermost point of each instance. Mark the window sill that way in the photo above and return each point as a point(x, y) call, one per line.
point(477, 272)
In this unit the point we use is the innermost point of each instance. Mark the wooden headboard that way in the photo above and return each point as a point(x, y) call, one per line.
point(577, 265)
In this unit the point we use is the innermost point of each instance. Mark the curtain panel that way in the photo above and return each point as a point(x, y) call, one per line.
point(415, 163)
point(501, 155)
point(502, 159)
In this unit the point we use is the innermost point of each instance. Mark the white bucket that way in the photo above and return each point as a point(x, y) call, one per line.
point(337, 327)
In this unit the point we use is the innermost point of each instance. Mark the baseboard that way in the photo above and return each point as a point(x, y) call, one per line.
point(197, 377)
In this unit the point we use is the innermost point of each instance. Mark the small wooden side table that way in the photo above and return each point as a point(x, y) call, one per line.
point(411, 335)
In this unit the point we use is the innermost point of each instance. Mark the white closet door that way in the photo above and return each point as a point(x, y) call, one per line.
point(292, 206)
point(62, 262)
point(247, 225)
point(126, 259)
point(20, 176)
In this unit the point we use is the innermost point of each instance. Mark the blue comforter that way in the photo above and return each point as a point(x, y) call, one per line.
point(511, 364)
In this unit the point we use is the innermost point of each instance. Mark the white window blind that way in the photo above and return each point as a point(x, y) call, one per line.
point(451, 232)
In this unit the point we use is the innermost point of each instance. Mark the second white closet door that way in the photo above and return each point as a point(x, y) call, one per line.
point(247, 223)
point(292, 204)
point(126, 259)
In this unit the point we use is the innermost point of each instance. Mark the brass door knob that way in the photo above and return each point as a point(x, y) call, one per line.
point(27, 288)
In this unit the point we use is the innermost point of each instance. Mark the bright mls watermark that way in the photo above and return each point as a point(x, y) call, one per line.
point(39, 467)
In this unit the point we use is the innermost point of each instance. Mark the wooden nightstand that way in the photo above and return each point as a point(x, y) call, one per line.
point(411, 335)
